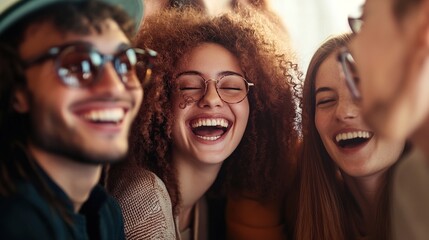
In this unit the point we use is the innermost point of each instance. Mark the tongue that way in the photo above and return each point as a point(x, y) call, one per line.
point(208, 131)
point(103, 122)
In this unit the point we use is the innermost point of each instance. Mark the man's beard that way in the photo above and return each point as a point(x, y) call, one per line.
point(61, 143)
point(71, 151)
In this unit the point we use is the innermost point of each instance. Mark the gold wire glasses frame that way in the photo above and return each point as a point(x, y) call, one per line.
point(348, 70)
point(231, 88)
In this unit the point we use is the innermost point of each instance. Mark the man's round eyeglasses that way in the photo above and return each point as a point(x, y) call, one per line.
point(231, 88)
point(79, 64)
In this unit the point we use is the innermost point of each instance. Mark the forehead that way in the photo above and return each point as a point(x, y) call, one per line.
point(328, 73)
point(207, 57)
point(41, 36)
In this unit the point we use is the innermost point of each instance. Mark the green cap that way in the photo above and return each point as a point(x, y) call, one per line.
point(12, 11)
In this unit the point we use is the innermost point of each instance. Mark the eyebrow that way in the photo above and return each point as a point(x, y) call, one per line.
point(223, 73)
point(323, 89)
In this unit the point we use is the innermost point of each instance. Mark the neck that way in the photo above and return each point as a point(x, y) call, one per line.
point(74, 178)
point(195, 179)
point(366, 191)
point(419, 139)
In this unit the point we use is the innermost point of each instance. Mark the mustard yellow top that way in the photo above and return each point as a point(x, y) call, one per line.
point(249, 219)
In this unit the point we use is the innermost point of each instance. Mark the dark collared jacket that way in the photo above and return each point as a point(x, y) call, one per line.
point(28, 215)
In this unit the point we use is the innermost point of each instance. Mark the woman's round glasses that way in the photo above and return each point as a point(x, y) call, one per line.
point(231, 88)
point(79, 64)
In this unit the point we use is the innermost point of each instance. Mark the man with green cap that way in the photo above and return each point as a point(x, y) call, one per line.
point(68, 93)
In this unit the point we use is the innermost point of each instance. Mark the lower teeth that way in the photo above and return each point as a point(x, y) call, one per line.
point(209, 138)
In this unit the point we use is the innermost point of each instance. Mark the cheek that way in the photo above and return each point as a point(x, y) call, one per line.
point(56, 99)
point(47, 112)
point(242, 112)
point(322, 126)
point(390, 152)
point(179, 103)
point(320, 123)
point(179, 115)
point(138, 96)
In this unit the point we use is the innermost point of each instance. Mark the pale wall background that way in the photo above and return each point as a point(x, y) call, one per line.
point(310, 22)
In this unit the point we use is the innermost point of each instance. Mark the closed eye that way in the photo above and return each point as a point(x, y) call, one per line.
point(231, 88)
point(325, 103)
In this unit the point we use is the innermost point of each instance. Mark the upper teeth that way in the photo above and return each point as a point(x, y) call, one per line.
point(210, 122)
point(108, 115)
point(351, 135)
point(214, 138)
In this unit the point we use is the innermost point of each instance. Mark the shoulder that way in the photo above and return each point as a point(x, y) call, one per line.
point(410, 197)
point(109, 217)
point(412, 170)
point(145, 204)
point(27, 217)
point(139, 184)
point(111, 208)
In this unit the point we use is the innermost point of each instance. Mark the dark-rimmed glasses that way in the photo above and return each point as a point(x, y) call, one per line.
point(79, 64)
point(231, 88)
point(349, 71)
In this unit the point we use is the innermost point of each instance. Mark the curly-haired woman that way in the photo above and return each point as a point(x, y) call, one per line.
point(219, 114)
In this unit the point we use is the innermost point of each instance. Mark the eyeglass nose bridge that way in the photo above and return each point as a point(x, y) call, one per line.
point(105, 59)
point(216, 81)
point(206, 86)
point(116, 64)
point(101, 61)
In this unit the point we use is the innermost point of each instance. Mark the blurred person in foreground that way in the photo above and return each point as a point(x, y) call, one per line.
point(390, 54)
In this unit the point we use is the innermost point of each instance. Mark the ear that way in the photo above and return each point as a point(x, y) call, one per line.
point(20, 101)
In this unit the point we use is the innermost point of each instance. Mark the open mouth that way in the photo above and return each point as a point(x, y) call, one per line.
point(209, 129)
point(105, 116)
point(353, 139)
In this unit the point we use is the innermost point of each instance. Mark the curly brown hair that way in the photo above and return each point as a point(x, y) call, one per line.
point(271, 135)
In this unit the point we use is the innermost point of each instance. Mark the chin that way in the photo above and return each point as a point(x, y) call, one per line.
point(102, 158)
point(357, 172)
point(211, 161)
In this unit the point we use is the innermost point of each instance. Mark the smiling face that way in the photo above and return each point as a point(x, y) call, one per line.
point(355, 148)
point(88, 124)
point(209, 130)
point(392, 61)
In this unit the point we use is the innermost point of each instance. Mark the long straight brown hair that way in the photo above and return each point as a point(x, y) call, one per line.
point(327, 209)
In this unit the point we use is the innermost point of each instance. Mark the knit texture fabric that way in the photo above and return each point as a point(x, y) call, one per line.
point(145, 203)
